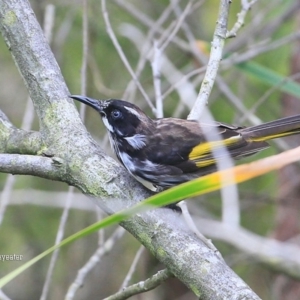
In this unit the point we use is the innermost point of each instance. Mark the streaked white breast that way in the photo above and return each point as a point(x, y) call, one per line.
point(137, 141)
point(130, 166)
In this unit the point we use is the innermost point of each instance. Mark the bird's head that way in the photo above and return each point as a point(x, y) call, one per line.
point(120, 117)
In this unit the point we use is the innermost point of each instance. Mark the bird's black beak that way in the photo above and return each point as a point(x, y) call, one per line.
point(96, 104)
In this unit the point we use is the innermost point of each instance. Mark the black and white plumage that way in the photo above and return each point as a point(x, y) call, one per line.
point(161, 153)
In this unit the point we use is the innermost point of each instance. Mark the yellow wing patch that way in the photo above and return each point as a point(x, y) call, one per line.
point(202, 153)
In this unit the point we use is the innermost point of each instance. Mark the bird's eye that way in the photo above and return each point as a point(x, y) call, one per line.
point(116, 114)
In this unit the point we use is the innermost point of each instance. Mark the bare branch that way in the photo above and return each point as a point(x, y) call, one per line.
point(6, 195)
point(240, 18)
point(146, 20)
point(214, 61)
point(144, 51)
point(92, 262)
point(85, 48)
point(58, 239)
point(156, 65)
point(122, 55)
point(185, 89)
point(14, 140)
point(132, 267)
point(142, 286)
point(49, 21)
point(274, 254)
point(258, 49)
point(44, 167)
point(178, 24)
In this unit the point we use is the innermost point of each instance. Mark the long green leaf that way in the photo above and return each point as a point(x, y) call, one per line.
point(270, 77)
point(190, 189)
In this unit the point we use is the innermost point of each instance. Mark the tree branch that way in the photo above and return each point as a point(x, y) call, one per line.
point(32, 165)
point(276, 255)
point(14, 140)
point(142, 286)
point(214, 61)
point(80, 162)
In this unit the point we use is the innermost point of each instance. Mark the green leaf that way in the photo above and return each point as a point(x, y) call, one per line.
point(189, 189)
point(270, 77)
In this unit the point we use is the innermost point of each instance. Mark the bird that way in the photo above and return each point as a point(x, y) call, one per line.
point(162, 153)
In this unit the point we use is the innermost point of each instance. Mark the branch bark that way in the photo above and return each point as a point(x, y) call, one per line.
point(14, 140)
point(31, 165)
point(142, 286)
point(84, 165)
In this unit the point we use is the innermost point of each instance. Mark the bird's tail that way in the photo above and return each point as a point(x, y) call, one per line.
point(272, 130)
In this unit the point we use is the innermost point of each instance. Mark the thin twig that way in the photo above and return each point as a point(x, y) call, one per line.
point(185, 89)
point(214, 61)
point(92, 262)
point(6, 195)
point(85, 49)
point(267, 95)
point(156, 66)
point(147, 21)
point(142, 286)
point(120, 51)
point(58, 239)
point(191, 224)
point(277, 255)
point(49, 18)
point(178, 24)
point(132, 268)
point(185, 77)
point(258, 49)
point(240, 18)
point(144, 50)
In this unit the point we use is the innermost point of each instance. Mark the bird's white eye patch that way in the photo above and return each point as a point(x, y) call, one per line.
point(107, 125)
point(137, 141)
point(133, 111)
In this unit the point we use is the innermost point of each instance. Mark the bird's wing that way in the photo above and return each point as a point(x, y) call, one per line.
point(183, 144)
point(177, 140)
